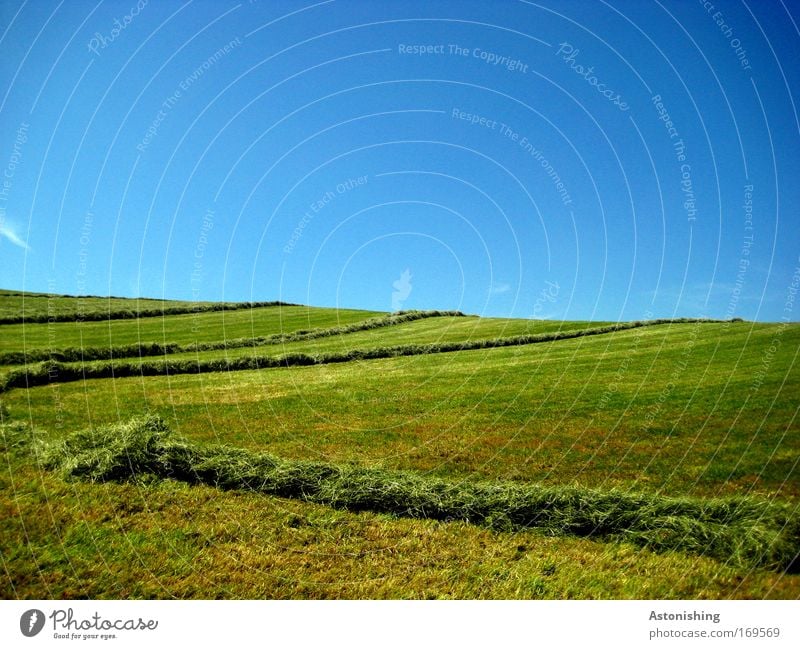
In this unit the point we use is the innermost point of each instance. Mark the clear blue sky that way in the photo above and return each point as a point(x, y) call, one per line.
point(502, 158)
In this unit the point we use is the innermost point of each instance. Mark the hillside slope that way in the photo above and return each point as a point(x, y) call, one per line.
point(674, 410)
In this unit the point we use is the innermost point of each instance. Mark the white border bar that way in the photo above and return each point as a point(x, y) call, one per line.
point(385, 625)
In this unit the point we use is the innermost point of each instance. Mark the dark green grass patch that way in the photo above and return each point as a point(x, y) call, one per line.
point(741, 531)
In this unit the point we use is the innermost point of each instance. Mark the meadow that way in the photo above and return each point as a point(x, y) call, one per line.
point(482, 457)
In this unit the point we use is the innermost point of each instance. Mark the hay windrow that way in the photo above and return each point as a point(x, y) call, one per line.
point(741, 531)
point(57, 372)
point(80, 354)
point(130, 314)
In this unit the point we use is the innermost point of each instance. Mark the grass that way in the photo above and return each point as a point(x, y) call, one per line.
point(590, 410)
point(587, 410)
point(169, 539)
point(20, 307)
point(80, 540)
point(16, 305)
point(743, 532)
point(175, 350)
point(443, 330)
point(175, 329)
point(693, 413)
point(49, 372)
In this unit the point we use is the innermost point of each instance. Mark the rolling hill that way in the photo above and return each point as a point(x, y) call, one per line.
point(271, 450)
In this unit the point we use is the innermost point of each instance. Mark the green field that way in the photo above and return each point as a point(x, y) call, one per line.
point(182, 329)
point(15, 304)
point(668, 418)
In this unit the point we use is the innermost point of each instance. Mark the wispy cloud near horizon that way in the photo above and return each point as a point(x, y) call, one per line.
point(9, 232)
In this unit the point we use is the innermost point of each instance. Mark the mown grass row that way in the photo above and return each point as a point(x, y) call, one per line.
point(77, 354)
point(128, 314)
point(55, 372)
point(742, 531)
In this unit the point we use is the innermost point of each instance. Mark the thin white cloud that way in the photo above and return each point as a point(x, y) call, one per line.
point(9, 233)
point(500, 287)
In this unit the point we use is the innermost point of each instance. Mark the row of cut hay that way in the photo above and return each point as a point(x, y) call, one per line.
point(55, 372)
point(742, 531)
point(78, 354)
point(129, 314)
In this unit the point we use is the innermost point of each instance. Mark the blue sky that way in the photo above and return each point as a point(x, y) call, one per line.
point(577, 160)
